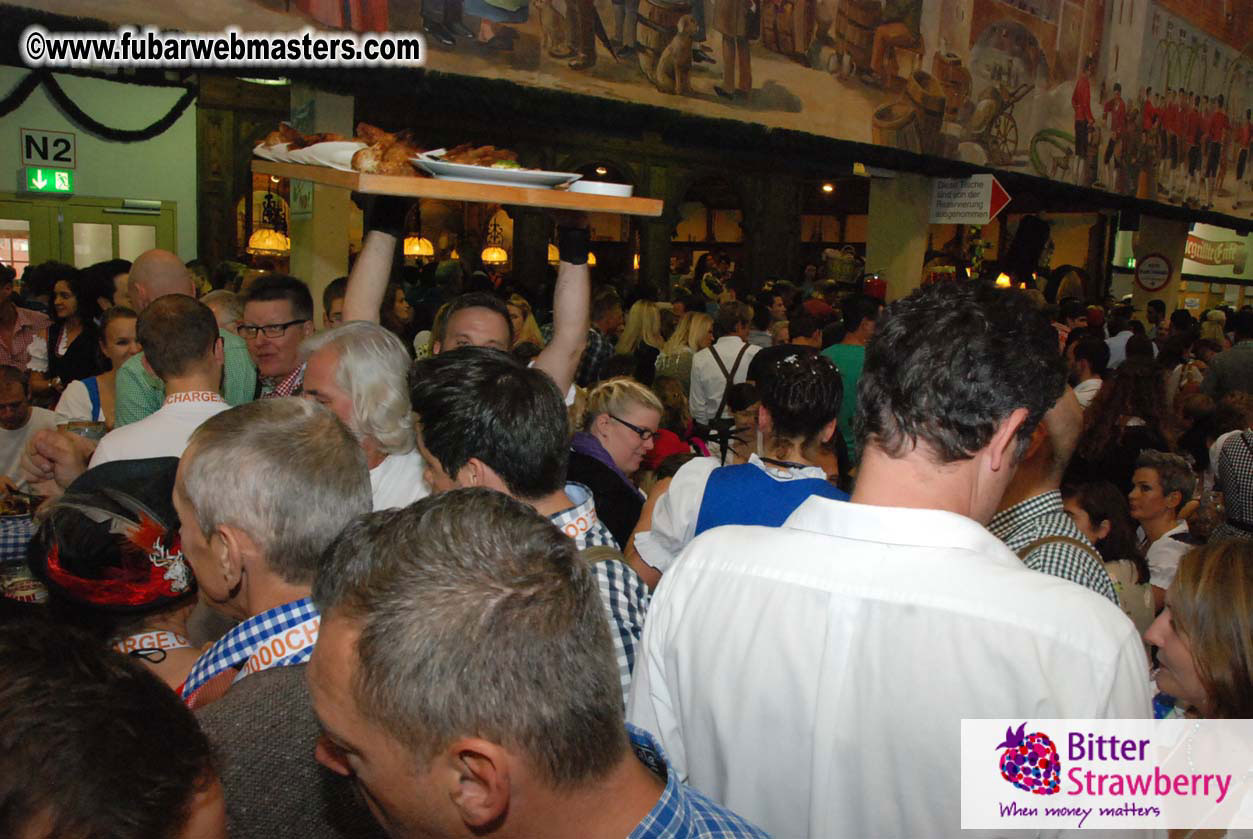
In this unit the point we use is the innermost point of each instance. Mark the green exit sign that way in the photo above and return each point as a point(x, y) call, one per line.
point(41, 179)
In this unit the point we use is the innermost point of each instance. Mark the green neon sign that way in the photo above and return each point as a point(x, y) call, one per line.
point(40, 179)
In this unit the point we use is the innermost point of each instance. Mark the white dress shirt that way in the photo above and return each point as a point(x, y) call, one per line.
point(676, 512)
point(708, 383)
point(163, 433)
point(813, 677)
point(398, 480)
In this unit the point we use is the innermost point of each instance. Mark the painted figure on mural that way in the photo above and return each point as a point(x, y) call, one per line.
point(901, 28)
point(1216, 138)
point(1174, 137)
point(1243, 134)
point(356, 15)
point(1115, 110)
point(1192, 132)
point(733, 19)
point(1081, 102)
point(443, 21)
point(626, 14)
point(582, 33)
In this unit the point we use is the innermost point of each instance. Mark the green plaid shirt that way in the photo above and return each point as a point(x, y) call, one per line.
point(1039, 518)
point(139, 393)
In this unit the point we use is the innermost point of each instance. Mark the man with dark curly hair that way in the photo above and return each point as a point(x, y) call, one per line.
point(804, 675)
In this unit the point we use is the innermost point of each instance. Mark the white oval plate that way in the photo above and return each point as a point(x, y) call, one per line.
point(533, 178)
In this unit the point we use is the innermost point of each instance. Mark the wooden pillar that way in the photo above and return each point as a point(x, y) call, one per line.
point(1169, 239)
point(655, 232)
point(772, 228)
point(896, 239)
point(319, 218)
point(232, 116)
point(531, 231)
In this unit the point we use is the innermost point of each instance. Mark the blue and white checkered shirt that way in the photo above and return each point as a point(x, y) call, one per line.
point(682, 812)
point(622, 592)
point(237, 646)
point(15, 536)
point(1037, 519)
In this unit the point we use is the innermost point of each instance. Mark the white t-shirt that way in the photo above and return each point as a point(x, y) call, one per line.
point(398, 481)
point(75, 404)
point(813, 677)
point(13, 443)
point(1163, 555)
point(1086, 391)
point(163, 433)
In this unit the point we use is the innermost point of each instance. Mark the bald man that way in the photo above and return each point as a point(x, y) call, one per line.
point(154, 274)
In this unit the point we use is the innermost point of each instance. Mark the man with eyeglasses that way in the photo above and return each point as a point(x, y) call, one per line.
point(154, 274)
point(278, 316)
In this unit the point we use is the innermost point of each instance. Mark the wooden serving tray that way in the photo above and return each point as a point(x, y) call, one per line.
point(557, 199)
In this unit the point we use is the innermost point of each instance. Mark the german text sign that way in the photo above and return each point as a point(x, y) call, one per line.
point(1153, 272)
point(973, 200)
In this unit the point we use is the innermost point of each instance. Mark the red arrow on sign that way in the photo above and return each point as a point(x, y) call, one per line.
point(999, 200)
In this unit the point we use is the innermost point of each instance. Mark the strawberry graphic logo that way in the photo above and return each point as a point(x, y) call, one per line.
point(1030, 762)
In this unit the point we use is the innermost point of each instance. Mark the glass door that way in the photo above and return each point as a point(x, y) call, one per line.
point(82, 231)
point(91, 234)
point(28, 233)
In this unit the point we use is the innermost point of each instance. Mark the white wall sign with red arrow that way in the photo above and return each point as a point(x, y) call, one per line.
point(973, 200)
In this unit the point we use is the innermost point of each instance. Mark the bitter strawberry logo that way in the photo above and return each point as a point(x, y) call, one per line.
point(1030, 762)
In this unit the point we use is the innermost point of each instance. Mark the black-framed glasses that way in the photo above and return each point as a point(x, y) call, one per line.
point(646, 434)
point(269, 330)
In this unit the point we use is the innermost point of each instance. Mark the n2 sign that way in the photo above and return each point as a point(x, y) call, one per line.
point(48, 148)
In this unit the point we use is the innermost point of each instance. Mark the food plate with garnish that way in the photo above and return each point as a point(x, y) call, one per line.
point(497, 172)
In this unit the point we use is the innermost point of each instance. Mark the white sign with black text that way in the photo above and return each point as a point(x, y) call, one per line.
point(55, 149)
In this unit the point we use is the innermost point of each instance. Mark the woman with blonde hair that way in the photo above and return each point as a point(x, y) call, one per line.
point(525, 329)
point(1204, 636)
point(641, 337)
point(618, 429)
point(693, 334)
point(1214, 328)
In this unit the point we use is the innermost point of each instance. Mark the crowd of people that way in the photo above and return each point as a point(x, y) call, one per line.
point(595, 563)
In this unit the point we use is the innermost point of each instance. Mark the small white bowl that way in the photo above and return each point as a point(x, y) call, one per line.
point(602, 188)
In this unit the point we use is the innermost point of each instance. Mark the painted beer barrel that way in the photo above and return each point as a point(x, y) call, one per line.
point(896, 125)
point(954, 78)
point(855, 23)
point(927, 96)
point(789, 27)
